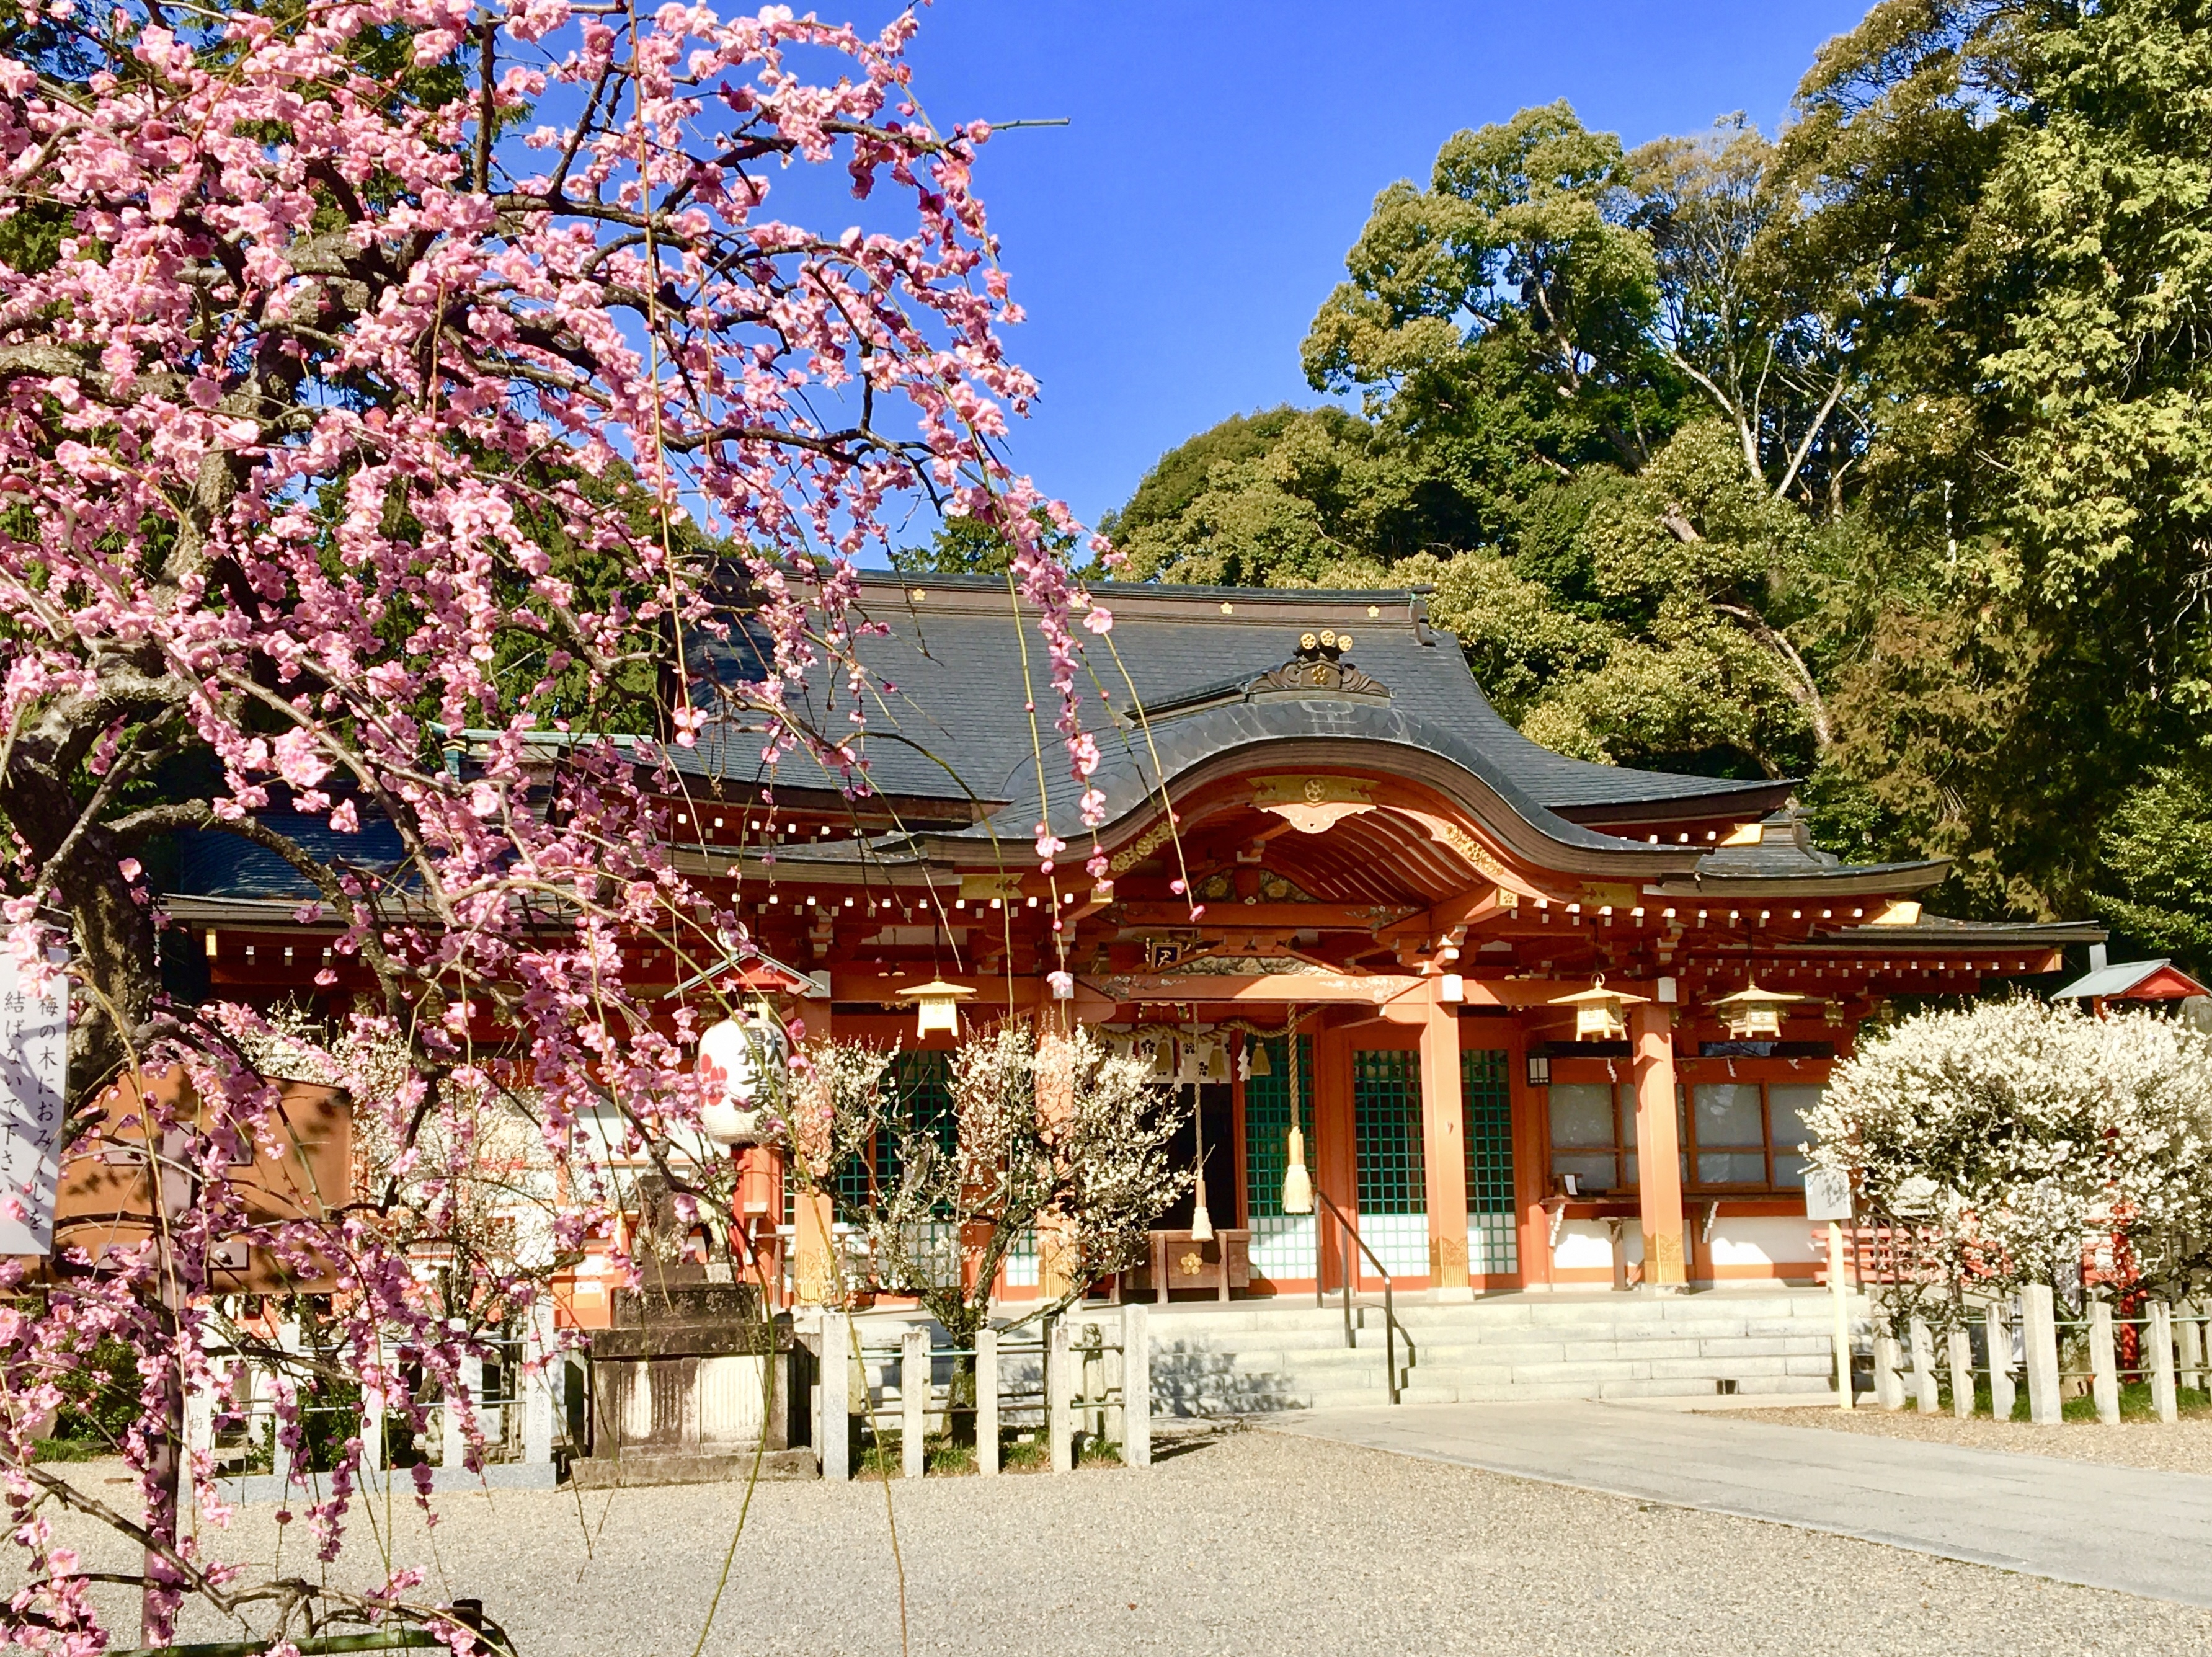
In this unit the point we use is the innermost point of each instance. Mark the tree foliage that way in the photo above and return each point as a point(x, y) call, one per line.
point(2015, 198)
point(1875, 453)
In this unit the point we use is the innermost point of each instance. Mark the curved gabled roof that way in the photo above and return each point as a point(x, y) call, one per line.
point(1292, 732)
point(951, 724)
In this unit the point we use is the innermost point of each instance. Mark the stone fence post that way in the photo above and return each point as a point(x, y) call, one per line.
point(1888, 1385)
point(372, 1409)
point(1136, 1386)
point(2002, 1392)
point(199, 1439)
point(914, 1403)
point(280, 1455)
point(1925, 1397)
point(2103, 1363)
point(986, 1400)
point(459, 1404)
point(833, 1427)
point(1962, 1372)
point(1060, 1394)
point(542, 1370)
point(2038, 1323)
point(2160, 1333)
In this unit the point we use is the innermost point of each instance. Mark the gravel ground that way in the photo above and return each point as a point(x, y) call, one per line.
point(2184, 1447)
point(1245, 1542)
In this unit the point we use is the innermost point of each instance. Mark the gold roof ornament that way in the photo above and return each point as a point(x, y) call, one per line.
point(1598, 1011)
point(1753, 1014)
point(938, 1004)
point(1313, 804)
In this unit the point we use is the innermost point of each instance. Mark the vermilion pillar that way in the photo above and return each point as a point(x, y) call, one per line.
point(815, 1274)
point(1531, 1162)
point(1335, 1145)
point(1658, 1147)
point(1443, 1150)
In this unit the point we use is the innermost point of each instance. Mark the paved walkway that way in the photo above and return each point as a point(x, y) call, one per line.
point(2141, 1533)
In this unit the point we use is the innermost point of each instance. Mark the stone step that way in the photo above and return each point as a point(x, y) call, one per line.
point(1282, 1339)
point(1580, 1349)
point(1531, 1392)
point(1249, 1357)
point(1627, 1312)
point(607, 1473)
point(1584, 1333)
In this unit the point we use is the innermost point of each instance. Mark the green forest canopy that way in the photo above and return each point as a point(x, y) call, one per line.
point(1877, 454)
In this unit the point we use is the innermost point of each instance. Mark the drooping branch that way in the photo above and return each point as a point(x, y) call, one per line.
point(320, 451)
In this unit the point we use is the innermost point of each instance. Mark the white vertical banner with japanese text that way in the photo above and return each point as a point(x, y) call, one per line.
point(34, 1063)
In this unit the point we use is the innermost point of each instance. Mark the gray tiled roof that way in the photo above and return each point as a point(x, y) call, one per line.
point(2116, 980)
point(953, 724)
point(213, 863)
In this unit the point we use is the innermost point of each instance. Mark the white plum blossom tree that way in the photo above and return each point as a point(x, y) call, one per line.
point(2024, 1142)
point(1050, 1139)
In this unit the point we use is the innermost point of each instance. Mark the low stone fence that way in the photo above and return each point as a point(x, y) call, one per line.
point(1084, 1377)
point(2003, 1347)
point(519, 1410)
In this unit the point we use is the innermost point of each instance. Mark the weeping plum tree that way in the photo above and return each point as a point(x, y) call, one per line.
point(1043, 1140)
point(371, 371)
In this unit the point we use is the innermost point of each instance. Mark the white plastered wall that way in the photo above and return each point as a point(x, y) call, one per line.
point(1762, 1247)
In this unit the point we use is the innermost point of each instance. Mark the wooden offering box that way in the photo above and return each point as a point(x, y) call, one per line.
point(1222, 1262)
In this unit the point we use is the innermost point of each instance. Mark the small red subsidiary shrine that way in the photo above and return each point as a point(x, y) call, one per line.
point(1322, 840)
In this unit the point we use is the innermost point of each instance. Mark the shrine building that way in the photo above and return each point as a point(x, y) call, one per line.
point(1542, 1024)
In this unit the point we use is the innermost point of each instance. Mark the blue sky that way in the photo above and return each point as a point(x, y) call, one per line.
point(1171, 244)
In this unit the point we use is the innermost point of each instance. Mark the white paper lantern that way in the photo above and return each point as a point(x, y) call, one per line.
point(745, 1062)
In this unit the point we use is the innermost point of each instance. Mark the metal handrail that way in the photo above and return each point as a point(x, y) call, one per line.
point(1390, 1324)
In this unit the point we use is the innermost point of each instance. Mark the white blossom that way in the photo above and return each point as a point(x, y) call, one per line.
point(1053, 1144)
point(2019, 1139)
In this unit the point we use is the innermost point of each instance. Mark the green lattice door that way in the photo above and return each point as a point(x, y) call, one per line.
point(1282, 1244)
point(1486, 1106)
point(921, 1082)
point(1393, 1185)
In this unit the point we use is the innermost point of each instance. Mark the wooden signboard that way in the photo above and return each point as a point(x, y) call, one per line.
point(33, 1066)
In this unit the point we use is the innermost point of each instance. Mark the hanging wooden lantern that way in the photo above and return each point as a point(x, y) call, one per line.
point(1599, 1011)
point(1752, 1014)
point(938, 1004)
